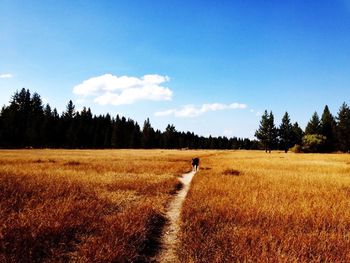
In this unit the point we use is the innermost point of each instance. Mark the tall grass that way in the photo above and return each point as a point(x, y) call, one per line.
point(85, 206)
point(257, 207)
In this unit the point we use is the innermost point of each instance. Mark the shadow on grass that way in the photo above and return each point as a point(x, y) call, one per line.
point(152, 244)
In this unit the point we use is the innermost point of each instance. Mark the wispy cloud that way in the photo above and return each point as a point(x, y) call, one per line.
point(114, 90)
point(194, 111)
point(257, 113)
point(6, 76)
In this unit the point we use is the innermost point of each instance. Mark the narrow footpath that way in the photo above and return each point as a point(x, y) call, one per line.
point(171, 230)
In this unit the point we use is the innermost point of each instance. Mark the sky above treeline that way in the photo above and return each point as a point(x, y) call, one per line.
point(211, 67)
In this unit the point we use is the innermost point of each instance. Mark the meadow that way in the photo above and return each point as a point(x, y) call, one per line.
point(247, 206)
point(110, 206)
point(85, 206)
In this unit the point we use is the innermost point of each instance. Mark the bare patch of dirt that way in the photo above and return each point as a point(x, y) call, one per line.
point(232, 172)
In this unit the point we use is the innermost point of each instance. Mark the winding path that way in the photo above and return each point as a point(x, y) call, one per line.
point(170, 233)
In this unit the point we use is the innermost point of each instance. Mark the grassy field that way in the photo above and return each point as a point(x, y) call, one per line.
point(85, 206)
point(256, 207)
point(109, 205)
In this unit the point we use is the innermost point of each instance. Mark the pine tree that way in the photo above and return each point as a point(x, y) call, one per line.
point(148, 135)
point(328, 129)
point(70, 111)
point(47, 127)
point(262, 132)
point(107, 132)
point(343, 128)
point(297, 134)
point(18, 118)
point(70, 125)
point(135, 141)
point(314, 125)
point(267, 132)
point(34, 132)
point(170, 137)
point(285, 133)
point(273, 132)
point(25, 122)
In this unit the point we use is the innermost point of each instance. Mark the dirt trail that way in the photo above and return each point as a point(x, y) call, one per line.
point(170, 233)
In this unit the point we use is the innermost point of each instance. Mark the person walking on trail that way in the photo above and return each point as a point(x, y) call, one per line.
point(195, 164)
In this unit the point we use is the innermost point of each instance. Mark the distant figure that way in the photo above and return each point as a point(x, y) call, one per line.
point(195, 163)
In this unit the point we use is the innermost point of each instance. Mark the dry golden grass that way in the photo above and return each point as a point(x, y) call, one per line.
point(84, 206)
point(108, 206)
point(255, 207)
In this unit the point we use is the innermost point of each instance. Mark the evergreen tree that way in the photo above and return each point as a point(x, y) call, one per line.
point(148, 135)
point(18, 117)
point(34, 131)
point(314, 125)
point(273, 132)
point(170, 137)
point(328, 129)
point(84, 130)
point(285, 133)
point(25, 122)
point(117, 133)
point(70, 111)
point(69, 125)
point(107, 131)
point(297, 134)
point(136, 135)
point(343, 128)
point(47, 127)
point(267, 132)
point(262, 132)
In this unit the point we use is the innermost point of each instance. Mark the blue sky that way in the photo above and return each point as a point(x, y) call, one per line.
point(204, 66)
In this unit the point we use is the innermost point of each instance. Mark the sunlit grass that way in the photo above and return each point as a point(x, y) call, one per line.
point(85, 206)
point(108, 205)
point(252, 206)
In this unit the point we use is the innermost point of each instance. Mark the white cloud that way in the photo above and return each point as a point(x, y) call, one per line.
point(114, 90)
point(193, 111)
point(6, 76)
point(165, 113)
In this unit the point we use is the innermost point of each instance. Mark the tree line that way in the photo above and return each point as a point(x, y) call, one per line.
point(27, 123)
point(325, 134)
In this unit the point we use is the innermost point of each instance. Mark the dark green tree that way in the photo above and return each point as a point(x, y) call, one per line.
point(267, 132)
point(148, 135)
point(169, 136)
point(297, 134)
point(135, 140)
point(35, 118)
point(314, 125)
point(70, 111)
point(285, 133)
point(328, 129)
point(48, 127)
point(25, 122)
point(70, 117)
point(343, 128)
